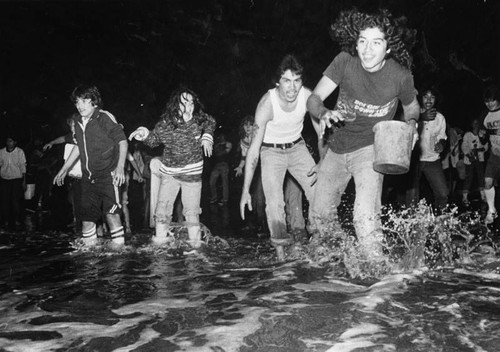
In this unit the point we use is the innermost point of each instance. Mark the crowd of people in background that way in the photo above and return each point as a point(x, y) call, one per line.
point(280, 169)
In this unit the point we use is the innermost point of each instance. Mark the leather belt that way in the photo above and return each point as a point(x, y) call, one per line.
point(281, 145)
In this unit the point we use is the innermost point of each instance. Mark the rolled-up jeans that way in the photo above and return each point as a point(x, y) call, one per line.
point(190, 196)
point(334, 174)
point(275, 162)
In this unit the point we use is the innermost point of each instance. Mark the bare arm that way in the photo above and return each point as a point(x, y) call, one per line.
point(59, 178)
point(412, 111)
point(317, 108)
point(119, 173)
point(133, 162)
point(58, 140)
point(263, 115)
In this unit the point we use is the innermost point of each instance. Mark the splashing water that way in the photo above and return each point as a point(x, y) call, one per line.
point(233, 296)
point(415, 238)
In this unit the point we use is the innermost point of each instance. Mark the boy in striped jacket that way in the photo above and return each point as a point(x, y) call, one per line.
point(101, 146)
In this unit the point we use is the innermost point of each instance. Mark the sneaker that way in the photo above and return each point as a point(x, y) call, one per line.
point(213, 200)
point(159, 240)
point(117, 242)
point(194, 237)
point(90, 241)
point(490, 217)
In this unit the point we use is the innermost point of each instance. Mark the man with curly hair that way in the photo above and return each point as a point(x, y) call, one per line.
point(372, 73)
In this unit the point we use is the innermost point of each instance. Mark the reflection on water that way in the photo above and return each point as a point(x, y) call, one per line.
point(233, 296)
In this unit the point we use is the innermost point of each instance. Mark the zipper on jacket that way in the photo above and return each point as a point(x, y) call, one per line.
point(85, 148)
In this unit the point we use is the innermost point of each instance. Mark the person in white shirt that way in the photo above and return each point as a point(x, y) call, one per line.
point(432, 140)
point(13, 182)
point(277, 140)
point(491, 98)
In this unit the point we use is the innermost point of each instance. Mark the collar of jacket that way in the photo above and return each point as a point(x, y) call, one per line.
point(96, 113)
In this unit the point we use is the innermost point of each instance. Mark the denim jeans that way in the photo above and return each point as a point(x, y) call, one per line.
point(335, 172)
point(475, 169)
point(190, 196)
point(293, 205)
point(220, 170)
point(434, 174)
point(275, 163)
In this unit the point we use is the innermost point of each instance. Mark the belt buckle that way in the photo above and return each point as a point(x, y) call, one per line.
point(284, 146)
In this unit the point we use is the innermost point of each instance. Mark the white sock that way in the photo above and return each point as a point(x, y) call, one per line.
point(90, 232)
point(490, 199)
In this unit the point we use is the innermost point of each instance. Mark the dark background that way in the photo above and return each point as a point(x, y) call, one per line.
point(226, 50)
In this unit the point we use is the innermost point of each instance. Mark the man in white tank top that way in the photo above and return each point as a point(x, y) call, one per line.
point(279, 120)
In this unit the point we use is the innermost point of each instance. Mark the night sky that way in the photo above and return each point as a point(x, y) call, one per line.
point(226, 50)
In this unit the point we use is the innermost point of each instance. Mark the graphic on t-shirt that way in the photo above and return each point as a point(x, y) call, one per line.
point(492, 125)
point(346, 107)
point(492, 122)
point(349, 108)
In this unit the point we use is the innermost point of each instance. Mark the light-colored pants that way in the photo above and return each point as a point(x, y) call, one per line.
point(434, 174)
point(168, 191)
point(275, 162)
point(293, 205)
point(154, 191)
point(335, 172)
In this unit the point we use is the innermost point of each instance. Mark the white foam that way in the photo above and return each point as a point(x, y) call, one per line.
point(361, 336)
point(330, 286)
point(483, 275)
point(383, 290)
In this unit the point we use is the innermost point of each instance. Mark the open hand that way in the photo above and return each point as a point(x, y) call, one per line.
point(246, 200)
point(140, 134)
point(327, 118)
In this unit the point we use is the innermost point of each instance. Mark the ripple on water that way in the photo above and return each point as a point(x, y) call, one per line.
point(233, 296)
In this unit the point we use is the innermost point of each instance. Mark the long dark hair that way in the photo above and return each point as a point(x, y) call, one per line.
point(172, 114)
point(247, 119)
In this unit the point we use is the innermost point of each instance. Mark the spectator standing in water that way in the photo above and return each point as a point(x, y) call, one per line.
point(73, 181)
point(432, 141)
point(101, 146)
point(279, 120)
point(13, 182)
point(256, 190)
point(186, 133)
point(131, 166)
point(372, 73)
point(474, 147)
point(220, 169)
point(452, 157)
point(491, 98)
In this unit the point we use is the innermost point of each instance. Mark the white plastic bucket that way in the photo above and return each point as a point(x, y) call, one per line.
point(393, 145)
